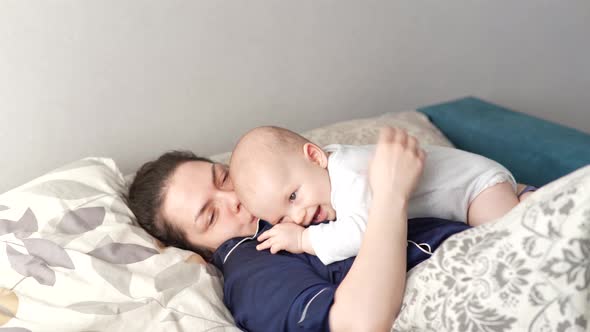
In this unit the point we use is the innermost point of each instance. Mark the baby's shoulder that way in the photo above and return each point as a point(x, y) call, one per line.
point(354, 158)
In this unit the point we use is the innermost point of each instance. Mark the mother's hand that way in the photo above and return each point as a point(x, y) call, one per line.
point(397, 164)
point(370, 296)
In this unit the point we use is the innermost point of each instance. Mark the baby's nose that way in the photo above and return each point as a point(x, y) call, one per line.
point(299, 217)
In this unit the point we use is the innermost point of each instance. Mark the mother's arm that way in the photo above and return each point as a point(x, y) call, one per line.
point(370, 296)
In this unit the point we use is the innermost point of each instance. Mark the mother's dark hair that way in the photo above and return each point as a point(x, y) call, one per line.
point(146, 195)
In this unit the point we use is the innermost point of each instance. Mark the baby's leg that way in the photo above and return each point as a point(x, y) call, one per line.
point(520, 187)
point(523, 195)
point(492, 203)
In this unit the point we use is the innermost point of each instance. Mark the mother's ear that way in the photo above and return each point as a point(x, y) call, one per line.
point(315, 154)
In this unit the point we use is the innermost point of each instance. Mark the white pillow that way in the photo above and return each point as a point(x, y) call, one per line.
point(365, 131)
point(73, 259)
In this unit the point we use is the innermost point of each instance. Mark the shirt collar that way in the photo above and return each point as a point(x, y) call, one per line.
point(226, 248)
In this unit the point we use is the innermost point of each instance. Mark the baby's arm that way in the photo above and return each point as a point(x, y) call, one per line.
point(333, 241)
point(288, 236)
point(341, 239)
point(336, 241)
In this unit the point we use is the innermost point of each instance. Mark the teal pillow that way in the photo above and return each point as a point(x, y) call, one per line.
point(536, 151)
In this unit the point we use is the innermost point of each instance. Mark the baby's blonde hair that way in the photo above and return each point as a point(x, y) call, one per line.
point(258, 147)
point(274, 139)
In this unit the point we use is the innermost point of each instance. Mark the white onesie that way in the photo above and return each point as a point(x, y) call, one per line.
point(451, 179)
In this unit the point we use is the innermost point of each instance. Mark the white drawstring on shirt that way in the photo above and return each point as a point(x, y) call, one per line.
point(419, 246)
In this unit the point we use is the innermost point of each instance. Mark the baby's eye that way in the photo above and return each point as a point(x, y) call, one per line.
point(293, 196)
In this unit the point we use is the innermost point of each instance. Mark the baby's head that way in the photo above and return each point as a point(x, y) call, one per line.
point(280, 176)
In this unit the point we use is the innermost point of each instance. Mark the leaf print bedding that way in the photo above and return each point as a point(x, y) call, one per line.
point(73, 259)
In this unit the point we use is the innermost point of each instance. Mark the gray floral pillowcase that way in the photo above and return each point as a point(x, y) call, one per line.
point(529, 271)
point(73, 259)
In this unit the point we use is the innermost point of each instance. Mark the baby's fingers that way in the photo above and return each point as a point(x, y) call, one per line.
point(264, 245)
point(265, 235)
point(275, 248)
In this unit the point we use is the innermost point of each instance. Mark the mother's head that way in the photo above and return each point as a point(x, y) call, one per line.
point(188, 202)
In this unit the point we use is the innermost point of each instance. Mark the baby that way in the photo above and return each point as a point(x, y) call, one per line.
point(282, 177)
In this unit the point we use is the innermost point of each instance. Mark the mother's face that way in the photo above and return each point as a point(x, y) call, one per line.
point(201, 201)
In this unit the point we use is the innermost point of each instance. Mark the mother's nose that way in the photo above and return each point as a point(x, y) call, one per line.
point(230, 199)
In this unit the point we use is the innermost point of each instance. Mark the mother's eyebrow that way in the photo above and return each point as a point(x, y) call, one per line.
point(213, 176)
point(213, 173)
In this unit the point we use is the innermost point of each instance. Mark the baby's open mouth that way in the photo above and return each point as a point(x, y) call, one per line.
point(318, 215)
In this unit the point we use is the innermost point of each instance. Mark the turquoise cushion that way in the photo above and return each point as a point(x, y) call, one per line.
point(534, 150)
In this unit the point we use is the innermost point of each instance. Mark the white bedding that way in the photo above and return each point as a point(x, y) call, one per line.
point(72, 258)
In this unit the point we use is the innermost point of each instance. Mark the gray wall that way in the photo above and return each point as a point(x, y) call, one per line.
point(130, 79)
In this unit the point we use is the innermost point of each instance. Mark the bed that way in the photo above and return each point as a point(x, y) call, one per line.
point(72, 257)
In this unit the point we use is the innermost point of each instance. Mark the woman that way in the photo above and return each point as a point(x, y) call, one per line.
point(189, 202)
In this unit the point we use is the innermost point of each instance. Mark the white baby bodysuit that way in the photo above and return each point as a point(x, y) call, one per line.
point(451, 179)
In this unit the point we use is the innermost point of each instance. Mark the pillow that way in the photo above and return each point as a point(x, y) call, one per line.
point(527, 271)
point(73, 253)
point(365, 131)
point(536, 151)
point(73, 259)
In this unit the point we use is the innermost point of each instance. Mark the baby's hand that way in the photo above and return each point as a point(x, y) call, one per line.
point(287, 236)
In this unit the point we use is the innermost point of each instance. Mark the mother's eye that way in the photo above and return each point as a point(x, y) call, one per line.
point(211, 218)
point(222, 177)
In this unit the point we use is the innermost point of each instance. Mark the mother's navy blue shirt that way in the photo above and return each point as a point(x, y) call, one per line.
point(294, 292)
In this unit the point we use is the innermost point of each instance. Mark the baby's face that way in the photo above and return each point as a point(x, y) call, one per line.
point(290, 189)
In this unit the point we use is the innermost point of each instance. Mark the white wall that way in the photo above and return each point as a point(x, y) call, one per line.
point(131, 79)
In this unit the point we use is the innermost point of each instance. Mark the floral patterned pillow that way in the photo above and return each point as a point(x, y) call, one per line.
point(73, 259)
